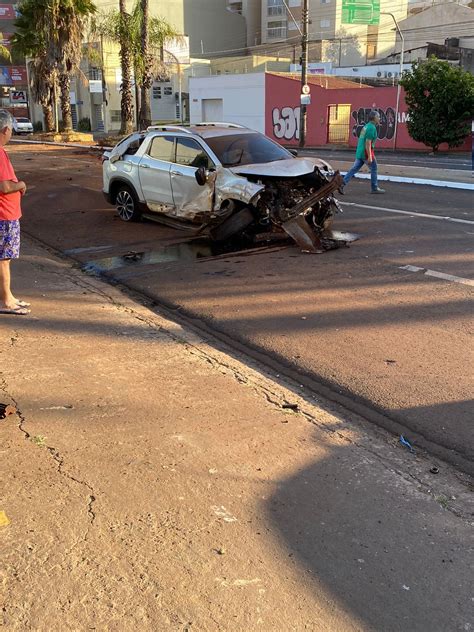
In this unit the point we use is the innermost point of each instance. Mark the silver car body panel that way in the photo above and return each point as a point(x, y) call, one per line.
point(231, 186)
point(291, 168)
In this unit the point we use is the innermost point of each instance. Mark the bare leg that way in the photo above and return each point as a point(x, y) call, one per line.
point(6, 297)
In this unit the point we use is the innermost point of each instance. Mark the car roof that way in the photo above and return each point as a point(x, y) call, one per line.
point(217, 130)
point(204, 130)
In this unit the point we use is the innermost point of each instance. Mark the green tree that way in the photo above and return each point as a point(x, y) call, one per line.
point(141, 40)
point(440, 100)
point(50, 33)
point(65, 46)
point(31, 42)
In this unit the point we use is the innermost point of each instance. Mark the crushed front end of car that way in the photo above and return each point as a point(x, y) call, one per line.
point(290, 197)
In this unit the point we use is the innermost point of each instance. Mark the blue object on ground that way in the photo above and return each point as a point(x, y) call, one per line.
point(407, 444)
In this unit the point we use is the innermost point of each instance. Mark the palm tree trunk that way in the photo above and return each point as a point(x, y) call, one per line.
point(48, 118)
point(64, 96)
point(126, 103)
point(147, 81)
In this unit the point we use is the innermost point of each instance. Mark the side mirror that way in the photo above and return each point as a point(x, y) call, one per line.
point(201, 176)
point(293, 152)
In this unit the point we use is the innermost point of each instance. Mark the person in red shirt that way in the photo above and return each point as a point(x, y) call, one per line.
point(11, 190)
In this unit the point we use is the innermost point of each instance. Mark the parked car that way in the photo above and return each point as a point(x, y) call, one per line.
point(222, 180)
point(22, 125)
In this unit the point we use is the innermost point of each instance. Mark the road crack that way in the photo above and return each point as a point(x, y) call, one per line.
point(54, 453)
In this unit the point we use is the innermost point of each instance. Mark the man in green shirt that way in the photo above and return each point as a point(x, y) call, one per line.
point(365, 152)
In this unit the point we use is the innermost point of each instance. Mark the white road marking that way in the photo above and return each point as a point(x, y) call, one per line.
point(439, 275)
point(467, 186)
point(413, 213)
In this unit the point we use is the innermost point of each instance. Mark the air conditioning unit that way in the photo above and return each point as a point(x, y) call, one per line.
point(389, 75)
point(379, 74)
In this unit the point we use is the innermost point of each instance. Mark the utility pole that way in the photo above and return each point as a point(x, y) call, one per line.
point(304, 70)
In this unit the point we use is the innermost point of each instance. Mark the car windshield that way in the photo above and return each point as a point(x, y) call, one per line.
point(246, 149)
point(23, 120)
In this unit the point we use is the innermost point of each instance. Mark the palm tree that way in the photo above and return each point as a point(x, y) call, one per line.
point(151, 34)
point(126, 104)
point(140, 39)
point(50, 32)
point(65, 46)
point(30, 40)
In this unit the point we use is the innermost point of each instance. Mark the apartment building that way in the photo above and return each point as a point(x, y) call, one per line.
point(342, 44)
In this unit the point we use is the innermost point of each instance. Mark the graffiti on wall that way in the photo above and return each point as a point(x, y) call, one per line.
point(386, 127)
point(286, 123)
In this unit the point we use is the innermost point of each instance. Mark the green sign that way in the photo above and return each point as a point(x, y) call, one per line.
point(360, 11)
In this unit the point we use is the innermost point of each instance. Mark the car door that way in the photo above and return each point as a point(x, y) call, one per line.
point(191, 199)
point(154, 174)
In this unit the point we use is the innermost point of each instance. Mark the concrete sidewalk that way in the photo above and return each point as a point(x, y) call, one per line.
point(155, 482)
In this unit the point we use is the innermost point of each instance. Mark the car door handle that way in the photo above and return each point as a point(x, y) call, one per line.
point(145, 166)
point(176, 173)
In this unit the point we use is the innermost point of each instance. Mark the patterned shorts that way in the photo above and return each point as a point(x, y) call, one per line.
point(9, 239)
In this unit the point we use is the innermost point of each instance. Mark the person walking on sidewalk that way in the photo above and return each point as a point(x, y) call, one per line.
point(11, 190)
point(366, 153)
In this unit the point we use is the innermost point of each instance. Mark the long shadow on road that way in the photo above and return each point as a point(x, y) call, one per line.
point(391, 556)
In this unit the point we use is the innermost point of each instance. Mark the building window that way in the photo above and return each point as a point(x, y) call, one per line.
point(371, 50)
point(325, 24)
point(168, 91)
point(325, 1)
point(276, 30)
point(95, 74)
point(276, 8)
point(115, 116)
point(157, 92)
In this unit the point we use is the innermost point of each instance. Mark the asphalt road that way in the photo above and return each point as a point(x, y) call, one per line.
point(352, 324)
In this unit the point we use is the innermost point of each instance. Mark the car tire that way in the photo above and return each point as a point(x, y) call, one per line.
point(126, 203)
point(234, 224)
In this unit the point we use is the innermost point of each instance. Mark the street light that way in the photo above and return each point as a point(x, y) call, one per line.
point(402, 51)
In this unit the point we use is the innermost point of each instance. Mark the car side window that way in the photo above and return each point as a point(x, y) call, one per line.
point(189, 153)
point(162, 148)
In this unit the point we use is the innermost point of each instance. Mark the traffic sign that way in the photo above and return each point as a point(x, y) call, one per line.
point(305, 89)
point(360, 12)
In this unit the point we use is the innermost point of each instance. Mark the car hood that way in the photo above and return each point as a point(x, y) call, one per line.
point(290, 168)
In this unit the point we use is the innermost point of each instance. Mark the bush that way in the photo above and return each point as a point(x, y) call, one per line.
point(38, 126)
point(84, 125)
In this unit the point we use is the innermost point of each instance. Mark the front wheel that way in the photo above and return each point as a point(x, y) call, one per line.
point(126, 203)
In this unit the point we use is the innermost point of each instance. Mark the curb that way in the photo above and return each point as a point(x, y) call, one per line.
point(466, 186)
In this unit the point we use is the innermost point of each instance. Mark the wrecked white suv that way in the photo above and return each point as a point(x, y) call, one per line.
point(222, 180)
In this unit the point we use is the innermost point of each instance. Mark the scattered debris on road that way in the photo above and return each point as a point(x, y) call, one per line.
point(434, 469)
point(407, 444)
point(6, 409)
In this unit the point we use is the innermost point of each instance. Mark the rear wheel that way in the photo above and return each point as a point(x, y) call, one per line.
point(126, 203)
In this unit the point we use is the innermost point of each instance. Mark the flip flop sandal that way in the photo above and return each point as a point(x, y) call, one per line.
point(16, 311)
point(23, 304)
